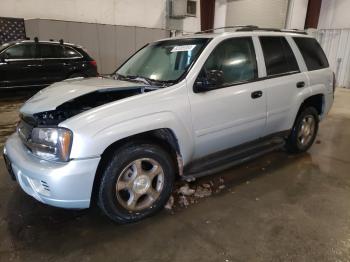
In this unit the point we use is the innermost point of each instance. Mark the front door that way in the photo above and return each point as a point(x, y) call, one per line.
point(20, 66)
point(234, 112)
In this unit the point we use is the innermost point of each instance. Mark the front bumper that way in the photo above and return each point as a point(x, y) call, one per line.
point(66, 185)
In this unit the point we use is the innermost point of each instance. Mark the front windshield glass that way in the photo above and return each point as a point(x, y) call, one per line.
point(164, 61)
point(3, 46)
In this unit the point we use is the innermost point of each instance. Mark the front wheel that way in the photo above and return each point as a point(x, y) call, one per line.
point(304, 131)
point(136, 183)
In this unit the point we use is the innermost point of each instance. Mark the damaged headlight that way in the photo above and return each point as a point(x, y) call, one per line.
point(51, 143)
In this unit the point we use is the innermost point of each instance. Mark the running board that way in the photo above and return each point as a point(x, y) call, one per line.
point(224, 160)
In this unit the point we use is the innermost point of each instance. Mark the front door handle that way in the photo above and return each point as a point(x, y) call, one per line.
point(256, 94)
point(300, 84)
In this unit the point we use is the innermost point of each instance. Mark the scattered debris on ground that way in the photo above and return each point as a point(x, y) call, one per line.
point(188, 193)
point(186, 190)
point(170, 203)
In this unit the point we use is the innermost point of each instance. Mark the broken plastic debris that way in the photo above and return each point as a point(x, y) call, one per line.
point(202, 192)
point(186, 190)
point(170, 203)
point(183, 201)
point(206, 185)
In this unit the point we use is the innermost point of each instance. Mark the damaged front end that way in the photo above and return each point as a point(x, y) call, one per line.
point(41, 134)
point(83, 103)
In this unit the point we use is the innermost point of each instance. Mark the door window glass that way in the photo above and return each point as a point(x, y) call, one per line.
point(51, 51)
point(20, 51)
point(70, 52)
point(279, 57)
point(235, 59)
point(312, 53)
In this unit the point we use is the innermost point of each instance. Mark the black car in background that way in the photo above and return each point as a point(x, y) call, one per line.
point(33, 63)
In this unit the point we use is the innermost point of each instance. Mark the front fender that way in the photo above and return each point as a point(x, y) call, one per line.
point(89, 144)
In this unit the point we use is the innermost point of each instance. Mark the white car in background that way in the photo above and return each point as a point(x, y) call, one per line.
point(187, 106)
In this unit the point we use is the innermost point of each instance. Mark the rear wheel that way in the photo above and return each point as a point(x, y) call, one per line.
point(304, 131)
point(136, 182)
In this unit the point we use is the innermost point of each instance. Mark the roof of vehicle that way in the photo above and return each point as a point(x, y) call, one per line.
point(42, 41)
point(242, 31)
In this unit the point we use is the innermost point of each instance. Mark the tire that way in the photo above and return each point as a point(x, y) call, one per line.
point(308, 118)
point(136, 182)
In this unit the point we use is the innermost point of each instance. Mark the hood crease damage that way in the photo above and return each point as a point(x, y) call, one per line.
point(83, 103)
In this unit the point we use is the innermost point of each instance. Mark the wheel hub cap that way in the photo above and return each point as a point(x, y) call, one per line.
point(141, 184)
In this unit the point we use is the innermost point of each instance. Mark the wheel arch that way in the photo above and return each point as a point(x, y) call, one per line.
point(164, 137)
point(317, 101)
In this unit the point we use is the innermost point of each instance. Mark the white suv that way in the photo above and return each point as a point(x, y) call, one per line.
point(187, 107)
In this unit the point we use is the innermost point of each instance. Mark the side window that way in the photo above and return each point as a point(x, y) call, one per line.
point(279, 57)
point(51, 51)
point(70, 52)
point(312, 53)
point(235, 59)
point(20, 51)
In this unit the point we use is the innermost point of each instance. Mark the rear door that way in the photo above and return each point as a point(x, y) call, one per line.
point(53, 62)
point(284, 81)
point(20, 66)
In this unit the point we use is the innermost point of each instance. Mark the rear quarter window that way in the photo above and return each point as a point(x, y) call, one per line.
point(70, 52)
point(312, 53)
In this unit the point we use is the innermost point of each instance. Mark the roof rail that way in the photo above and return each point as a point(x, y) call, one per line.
point(226, 27)
point(248, 29)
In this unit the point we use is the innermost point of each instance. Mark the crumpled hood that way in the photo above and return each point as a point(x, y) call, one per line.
point(57, 94)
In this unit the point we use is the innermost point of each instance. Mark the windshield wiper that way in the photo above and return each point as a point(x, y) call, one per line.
point(145, 80)
point(132, 78)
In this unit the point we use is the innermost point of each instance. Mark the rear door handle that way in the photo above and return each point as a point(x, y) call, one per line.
point(256, 94)
point(300, 84)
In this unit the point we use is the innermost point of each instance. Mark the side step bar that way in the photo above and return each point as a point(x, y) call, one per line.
point(216, 164)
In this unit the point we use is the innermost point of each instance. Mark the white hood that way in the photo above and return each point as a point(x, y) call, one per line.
point(57, 94)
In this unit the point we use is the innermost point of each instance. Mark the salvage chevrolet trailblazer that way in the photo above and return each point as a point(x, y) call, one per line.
point(181, 107)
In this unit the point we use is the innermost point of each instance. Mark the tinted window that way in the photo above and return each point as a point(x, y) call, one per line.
point(21, 51)
point(70, 52)
point(235, 58)
point(279, 57)
point(312, 53)
point(51, 51)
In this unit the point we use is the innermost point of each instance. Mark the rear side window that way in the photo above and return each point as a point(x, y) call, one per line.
point(21, 51)
point(70, 52)
point(312, 53)
point(235, 58)
point(51, 51)
point(279, 57)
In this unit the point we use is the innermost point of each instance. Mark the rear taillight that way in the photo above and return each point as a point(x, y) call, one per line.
point(93, 63)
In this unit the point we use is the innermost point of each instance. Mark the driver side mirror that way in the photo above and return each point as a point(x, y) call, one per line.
point(209, 81)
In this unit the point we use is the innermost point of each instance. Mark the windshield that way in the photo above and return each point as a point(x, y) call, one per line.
point(3, 46)
point(164, 61)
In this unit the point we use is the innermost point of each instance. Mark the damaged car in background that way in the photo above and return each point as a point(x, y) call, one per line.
point(181, 107)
